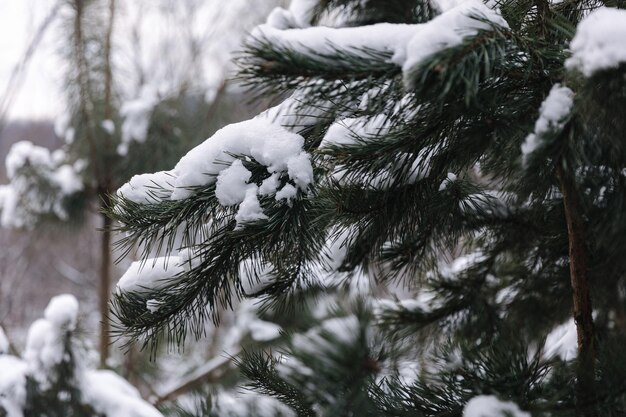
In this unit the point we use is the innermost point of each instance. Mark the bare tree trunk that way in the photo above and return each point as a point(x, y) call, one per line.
point(579, 268)
point(105, 288)
point(104, 189)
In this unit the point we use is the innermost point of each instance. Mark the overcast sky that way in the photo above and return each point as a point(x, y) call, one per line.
point(39, 96)
point(163, 25)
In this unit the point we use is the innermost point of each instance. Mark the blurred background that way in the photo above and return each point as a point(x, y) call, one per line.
point(91, 93)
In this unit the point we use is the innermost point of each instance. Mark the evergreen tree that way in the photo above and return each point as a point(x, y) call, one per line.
point(441, 191)
point(53, 378)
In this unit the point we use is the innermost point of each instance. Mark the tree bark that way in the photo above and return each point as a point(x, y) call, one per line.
point(104, 189)
point(581, 291)
point(105, 287)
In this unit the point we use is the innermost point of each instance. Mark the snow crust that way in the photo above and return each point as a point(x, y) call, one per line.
point(491, 406)
point(599, 42)
point(445, 31)
point(553, 113)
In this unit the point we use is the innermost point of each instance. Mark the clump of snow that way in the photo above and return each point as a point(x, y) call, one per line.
point(303, 11)
point(216, 160)
point(108, 126)
point(12, 385)
point(148, 188)
point(39, 183)
point(599, 42)
point(151, 275)
point(136, 119)
point(562, 342)
point(450, 178)
point(447, 30)
point(63, 128)
point(232, 184)
point(553, 115)
point(62, 311)
point(268, 143)
point(491, 406)
point(250, 209)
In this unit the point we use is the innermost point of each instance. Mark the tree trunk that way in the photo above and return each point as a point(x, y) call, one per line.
point(105, 188)
point(579, 268)
point(105, 287)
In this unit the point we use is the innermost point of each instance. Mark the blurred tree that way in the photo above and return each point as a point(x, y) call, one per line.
point(54, 377)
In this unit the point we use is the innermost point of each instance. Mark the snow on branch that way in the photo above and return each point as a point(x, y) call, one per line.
point(599, 42)
point(39, 184)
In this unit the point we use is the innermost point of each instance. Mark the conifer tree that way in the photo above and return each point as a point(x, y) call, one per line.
point(429, 212)
point(54, 377)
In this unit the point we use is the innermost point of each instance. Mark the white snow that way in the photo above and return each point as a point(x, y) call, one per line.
point(12, 385)
point(266, 142)
point(264, 331)
point(232, 184)
point(112, 395)
point(302, 11)
point(269, 144)
point(294, 114)
point(342, 331)
point(250, 208)
point(381, 37)
point(108, 126)
point(287, 192)
point(491, 406)
point(348, 131)
point(450, 178)
point(562, 342)
point(148, 188)
point(136, 119)
point(46, 347)
point(599, 42)
point(4, 342)
point(462, 263)
point(150, 275)
point(153, 305)
point(552, 115)
point(62, 311)
point(447, 30)
point(25, 153)
point(39, 183)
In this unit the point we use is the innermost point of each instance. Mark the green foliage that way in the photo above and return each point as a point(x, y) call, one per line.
point(431, 192)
